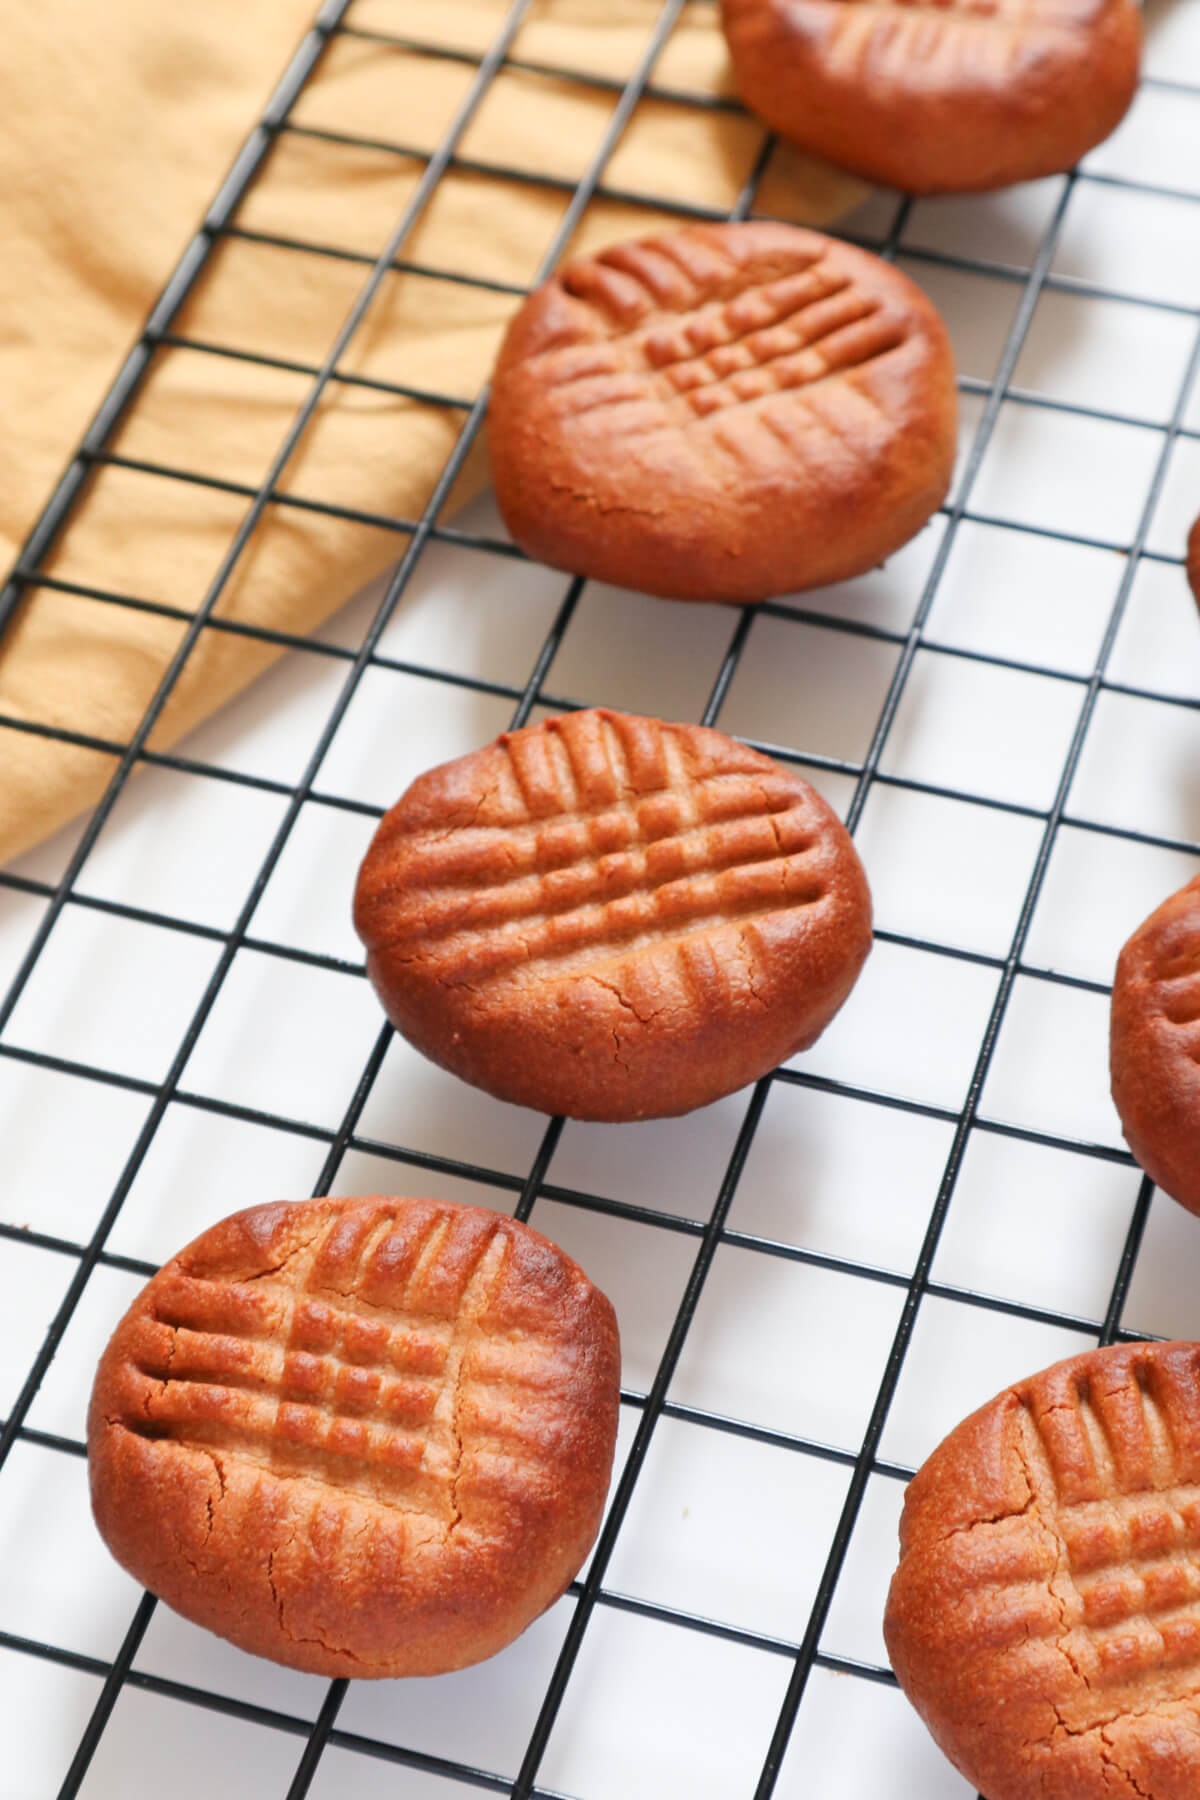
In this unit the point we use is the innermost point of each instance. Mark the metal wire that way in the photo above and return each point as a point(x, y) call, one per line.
point(413, 536)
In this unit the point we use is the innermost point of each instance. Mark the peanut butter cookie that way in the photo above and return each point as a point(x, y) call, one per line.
point(1154, 1045)
point(1045, 1616)
point(941, 98)
point(725, 412)
point(610, 917)
point(361, 1437)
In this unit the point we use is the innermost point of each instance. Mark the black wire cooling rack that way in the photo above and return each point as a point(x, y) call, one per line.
point(415, 535)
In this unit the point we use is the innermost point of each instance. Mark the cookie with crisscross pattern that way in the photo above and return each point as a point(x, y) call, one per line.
point(724, 412)
point(610, 917)
point(938, 96)
point(1045, 1616)
point(360, 1437)
point(1154, 1045)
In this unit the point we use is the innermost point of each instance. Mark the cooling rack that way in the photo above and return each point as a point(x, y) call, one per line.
point(816, 1278)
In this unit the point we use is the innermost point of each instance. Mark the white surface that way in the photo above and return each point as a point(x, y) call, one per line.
point(945, 730)
point(911, 1028)
point(826, 1176)
point(959, 1358)
point(1141, 246)
point(1154, 142)
point(52, 1704)
point(158, 855)
point(1064, 472)
point(463, 611)
point(285, 1038)
point(641, 1268)
point(702, 1491)
point(788, 1345)
point(1108, 354)
point(207, 1166)
point(419, 1106)
point(32, 1284)
point(365, 1172)
point(886, 596)
point(186, 1752)
point(1097, 890)
point(1172, 48)
point(20, 916)
point(1005, 227)
point(731, 1527)
point(308, 898)
point(59, 1181)
point(946, 870)
point(652, 1163)
point(854, 1740)
point(398, 725)
point(60, 1583)
point(1164, 1297)
point(271, 730)
point(1035, 1223)
point(1175, 512)
point(1050, 1069)
point(177, 1650)
point(1139, 769)
point(654, 1711)
point(808, 687)
point(854, 1626)
point(1158, 646)
point(480, 1716)
point(343, 1772)
point(679, 652)
point(1028, 598)
point(60, 1405)
point(113, 992)
point(978, 310)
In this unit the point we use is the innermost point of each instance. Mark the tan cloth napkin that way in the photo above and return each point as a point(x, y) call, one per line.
point(118, 127)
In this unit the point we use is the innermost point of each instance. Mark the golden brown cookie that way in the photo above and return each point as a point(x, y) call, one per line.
point(1193, 560)
point(361, 1437)
point(1045, 1616)
point(1154, 1045)
point(610, 917)
point(725, 412)
point(938, 98)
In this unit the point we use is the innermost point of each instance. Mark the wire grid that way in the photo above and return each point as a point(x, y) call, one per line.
point(708, 1234)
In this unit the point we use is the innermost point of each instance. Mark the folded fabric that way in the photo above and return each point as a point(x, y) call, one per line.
point(118, 131)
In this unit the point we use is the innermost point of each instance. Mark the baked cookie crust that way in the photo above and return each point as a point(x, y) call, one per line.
point(1154, 1045)
point(723, 413)
point(612, 918)
point(1045, 1616)
point(934, 99)
point(361, 1437)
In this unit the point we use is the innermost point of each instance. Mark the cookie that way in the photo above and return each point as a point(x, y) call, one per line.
point(937, 99)
point(1154, 1045)
point(610, 917)
point(360, 1437)
point(1193, 560)
point(723, 413)
point(1045, 1616)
